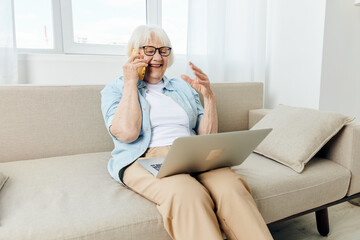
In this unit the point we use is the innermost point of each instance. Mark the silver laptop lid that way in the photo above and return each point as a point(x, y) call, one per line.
point(204, 152)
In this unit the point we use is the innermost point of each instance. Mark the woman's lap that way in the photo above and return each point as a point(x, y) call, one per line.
point(158, 190)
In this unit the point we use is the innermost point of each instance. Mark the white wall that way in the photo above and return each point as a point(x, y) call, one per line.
point(294, 52)
point(340, 81)
point(62, 69)
point(313, 55)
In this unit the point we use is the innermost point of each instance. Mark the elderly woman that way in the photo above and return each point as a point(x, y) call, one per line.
point(145, 117)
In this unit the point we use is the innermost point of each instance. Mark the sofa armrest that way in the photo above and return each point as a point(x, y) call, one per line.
point(256, 115)
point(344, 149)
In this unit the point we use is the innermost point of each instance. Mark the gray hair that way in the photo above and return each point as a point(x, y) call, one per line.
point(143, 33)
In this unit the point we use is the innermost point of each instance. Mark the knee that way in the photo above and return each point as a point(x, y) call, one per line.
point(224, 180)
point(234, 183)
point(185, 190)
point(243, 183)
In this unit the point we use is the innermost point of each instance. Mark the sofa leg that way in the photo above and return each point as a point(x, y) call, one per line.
point(322, 221)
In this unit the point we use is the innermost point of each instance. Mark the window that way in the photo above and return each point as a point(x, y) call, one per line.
point(100, 26)
point(33, 21)
point(106, 22)
point(174, 22)
point(94, 26)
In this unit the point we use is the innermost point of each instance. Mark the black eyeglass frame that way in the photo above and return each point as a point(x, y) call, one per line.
point(157, 49)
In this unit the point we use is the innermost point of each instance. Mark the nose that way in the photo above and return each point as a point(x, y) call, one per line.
point(157, 55)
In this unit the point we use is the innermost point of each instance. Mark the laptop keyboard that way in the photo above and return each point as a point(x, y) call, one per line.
point(156, 166)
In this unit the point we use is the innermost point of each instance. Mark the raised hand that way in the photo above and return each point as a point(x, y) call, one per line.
point(201, 82)
point(134, 62)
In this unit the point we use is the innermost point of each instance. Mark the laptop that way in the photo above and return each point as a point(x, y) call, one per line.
point(201, 153)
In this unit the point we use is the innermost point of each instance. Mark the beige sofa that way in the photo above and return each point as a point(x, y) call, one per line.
point(54, 147)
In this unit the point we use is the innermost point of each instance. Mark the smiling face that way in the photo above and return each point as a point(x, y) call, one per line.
point(157, 63)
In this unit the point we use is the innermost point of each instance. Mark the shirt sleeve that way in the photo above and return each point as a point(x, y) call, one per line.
point(110, 99)
point(199, 109)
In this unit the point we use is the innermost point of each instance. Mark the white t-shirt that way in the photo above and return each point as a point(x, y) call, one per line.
point(168, 119)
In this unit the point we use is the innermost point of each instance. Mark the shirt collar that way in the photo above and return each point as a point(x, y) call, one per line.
point(167, 84)
point(140, 84)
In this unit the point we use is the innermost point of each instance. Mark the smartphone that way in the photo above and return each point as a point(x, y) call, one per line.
point(140, 70)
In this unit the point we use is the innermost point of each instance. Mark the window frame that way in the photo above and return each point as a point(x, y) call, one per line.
point(64, 34)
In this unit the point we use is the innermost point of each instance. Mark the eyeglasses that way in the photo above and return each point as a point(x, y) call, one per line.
point(151, 51)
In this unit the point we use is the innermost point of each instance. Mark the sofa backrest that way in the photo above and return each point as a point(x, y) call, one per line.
point(233, 102)
point(48, 121)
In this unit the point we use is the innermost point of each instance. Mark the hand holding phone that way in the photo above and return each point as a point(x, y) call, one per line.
point(140, 70)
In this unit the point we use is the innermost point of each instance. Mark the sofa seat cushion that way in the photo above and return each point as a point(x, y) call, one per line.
point(281, 192)
point(73, 197)
point(3, 179)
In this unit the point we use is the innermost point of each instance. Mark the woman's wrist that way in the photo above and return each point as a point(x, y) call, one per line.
point(210, 96)
point(130, 84)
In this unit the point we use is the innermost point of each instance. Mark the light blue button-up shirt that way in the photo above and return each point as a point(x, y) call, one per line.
point(126, 153)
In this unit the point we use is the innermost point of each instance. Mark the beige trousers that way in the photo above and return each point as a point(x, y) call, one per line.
point(193, 206)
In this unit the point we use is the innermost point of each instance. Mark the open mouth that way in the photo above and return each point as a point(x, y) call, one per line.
point(155, 65)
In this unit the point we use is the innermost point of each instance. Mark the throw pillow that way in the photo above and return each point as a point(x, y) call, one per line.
point(298, 134)
point(3, 179)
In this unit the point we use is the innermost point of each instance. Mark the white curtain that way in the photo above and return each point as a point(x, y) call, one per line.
point(227, 39)
point(8, 57)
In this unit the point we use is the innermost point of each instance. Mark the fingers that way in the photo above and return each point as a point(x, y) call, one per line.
point(134, 56)
point(134, 62)
point(192, 81)
point(202, 76)
point(139, 60)
point(198, 73)
point(195, 68)
point(187, 78)
point(140, 64)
